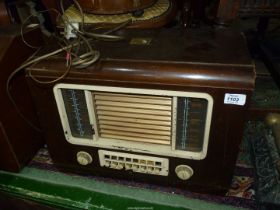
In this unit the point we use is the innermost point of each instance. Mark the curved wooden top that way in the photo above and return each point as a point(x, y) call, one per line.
point(173, 58)
point(114, 6)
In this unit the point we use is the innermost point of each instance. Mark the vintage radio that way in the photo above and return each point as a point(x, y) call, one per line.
point(163, 106)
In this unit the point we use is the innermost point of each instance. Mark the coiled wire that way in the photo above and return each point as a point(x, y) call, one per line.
point(79, 53)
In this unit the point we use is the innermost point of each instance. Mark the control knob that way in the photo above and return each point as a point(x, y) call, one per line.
point(84, 158)
point(184, 172)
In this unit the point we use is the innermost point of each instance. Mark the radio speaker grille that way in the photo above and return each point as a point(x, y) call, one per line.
point(134, 117)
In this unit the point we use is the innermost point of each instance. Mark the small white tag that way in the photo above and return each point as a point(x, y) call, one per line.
point(236, 99)
point(69, 30)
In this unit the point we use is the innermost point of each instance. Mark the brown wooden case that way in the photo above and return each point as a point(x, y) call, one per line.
point(114, 7)
point(18, 141)
point(215, 62)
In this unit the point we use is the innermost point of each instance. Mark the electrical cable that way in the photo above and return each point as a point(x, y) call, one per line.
point(73, 56)
point(11, 76)
point(28, 18)
point(28, 62)
point(69, 62)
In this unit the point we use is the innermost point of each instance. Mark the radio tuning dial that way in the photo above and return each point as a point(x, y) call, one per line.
point(184, 172)
point(84, 158)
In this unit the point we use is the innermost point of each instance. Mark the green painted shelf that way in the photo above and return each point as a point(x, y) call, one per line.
point(73, 192)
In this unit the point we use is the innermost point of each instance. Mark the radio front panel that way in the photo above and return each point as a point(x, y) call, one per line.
point(169, 123)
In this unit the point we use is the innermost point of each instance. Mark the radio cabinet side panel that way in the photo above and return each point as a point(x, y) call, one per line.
point(8, 159)
point(49, 120)
point(227, 133)
point(19, 139)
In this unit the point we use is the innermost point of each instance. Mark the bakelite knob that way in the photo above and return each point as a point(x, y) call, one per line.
point(184, 172)
point(107, 164)
point(149, 169)
point(135, 167)
point(143, 168)
point(128, 166)
point(156, 170)
point(84, 158)
point(119, 166)
point(114, 165)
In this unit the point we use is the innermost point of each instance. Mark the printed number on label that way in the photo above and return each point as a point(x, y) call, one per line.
point(236, 99)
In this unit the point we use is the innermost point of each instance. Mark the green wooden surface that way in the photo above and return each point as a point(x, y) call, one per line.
point(74, 192)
